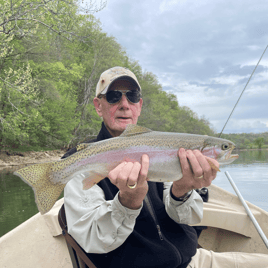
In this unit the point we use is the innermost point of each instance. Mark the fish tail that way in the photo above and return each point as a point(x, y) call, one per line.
point(39, 178)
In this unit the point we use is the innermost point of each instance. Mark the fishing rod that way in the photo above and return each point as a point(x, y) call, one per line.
point(243, 90)
point(251, 216)
point(249, 213)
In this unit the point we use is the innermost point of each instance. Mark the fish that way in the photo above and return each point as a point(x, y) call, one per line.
point(95, 160)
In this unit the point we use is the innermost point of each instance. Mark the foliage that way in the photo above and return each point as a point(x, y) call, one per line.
point(51, 56)
point(259, 142)
point(248, 140)
point(27, 30)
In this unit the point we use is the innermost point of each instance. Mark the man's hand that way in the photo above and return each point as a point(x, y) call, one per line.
point(200, 175)
point(128, 174)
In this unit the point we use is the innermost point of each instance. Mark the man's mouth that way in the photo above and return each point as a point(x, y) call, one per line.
point(124, 118)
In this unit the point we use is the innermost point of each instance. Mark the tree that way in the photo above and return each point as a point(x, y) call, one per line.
point(259, 142)
point(24, 26)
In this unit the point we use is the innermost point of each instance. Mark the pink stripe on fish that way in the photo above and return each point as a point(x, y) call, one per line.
point(130, 154)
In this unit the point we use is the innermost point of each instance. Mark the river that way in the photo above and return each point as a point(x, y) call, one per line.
point(250, 173)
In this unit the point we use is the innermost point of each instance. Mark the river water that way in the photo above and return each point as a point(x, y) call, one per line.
point(249, 172)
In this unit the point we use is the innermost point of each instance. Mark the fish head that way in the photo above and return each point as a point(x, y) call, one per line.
point(219, 149)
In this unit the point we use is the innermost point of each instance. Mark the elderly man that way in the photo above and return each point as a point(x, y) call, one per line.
point(126, 221)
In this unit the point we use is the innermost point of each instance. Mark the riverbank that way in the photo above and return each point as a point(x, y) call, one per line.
point(31, 157)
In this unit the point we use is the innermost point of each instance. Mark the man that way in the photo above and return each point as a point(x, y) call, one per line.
point(126, 221)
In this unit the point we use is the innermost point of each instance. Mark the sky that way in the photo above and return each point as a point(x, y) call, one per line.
point(202, 51)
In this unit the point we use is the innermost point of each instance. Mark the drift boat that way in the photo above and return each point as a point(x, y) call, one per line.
point(38, 242)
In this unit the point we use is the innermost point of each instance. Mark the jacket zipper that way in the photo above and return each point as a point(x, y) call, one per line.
point(161, 235)
point(152, 212)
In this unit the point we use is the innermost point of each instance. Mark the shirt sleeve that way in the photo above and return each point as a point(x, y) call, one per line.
point(188, 212)
point(99, 226)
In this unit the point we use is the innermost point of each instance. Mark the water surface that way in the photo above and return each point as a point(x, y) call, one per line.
point(250, 174)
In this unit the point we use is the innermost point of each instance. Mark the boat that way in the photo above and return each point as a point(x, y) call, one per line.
point(38, 242)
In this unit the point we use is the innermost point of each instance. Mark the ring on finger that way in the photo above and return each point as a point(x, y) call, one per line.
point(132, 186)
point(201, 177)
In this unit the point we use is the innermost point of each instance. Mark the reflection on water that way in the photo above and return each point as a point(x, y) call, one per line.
point(249, 171)
point(16, 201)
point(251, 156)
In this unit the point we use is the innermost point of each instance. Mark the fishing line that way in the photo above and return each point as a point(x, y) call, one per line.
point(244, 89)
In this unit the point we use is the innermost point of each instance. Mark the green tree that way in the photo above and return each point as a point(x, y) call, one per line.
point(26, 28)
point(259, 142)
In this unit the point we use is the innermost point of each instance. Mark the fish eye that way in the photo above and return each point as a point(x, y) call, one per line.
point(225, 146)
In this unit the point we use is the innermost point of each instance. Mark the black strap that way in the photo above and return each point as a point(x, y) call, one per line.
point(79, 251)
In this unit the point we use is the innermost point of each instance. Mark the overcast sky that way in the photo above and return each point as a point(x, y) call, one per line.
point(202, 51)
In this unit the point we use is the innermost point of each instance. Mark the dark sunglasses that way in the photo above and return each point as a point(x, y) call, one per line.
point(115, 96)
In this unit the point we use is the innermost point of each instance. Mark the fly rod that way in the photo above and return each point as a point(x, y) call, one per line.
point(249, 213)
point(243, 90)
point(251, 216)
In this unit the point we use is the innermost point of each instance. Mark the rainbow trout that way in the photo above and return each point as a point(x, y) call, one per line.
point(95, 160)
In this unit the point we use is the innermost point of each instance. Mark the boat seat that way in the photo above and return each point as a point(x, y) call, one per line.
point(78, 255)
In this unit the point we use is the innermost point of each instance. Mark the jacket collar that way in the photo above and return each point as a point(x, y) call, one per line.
point(104, 133)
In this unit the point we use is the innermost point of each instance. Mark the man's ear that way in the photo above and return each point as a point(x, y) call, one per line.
point(97, 104)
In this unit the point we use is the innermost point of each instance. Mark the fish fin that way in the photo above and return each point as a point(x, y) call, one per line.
point(39, 178)
point(132, 130)
point(213, 166)
point(92, 179)
point(82, 146)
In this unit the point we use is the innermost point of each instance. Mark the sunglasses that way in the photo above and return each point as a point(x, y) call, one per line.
point(115, 96)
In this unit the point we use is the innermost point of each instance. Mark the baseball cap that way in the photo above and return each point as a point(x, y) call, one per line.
point(113, 74)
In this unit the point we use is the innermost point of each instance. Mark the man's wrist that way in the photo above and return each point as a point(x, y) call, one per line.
point(182, 197)
point(128, 202)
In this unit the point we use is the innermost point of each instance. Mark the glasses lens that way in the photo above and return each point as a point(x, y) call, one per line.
point(113, 96)
point(133, 96)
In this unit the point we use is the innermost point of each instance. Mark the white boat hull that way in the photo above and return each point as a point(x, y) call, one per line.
point(38, 242)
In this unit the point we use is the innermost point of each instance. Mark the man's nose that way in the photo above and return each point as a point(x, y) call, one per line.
point(124, 103)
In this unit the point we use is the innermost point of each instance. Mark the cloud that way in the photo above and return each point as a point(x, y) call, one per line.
point(240, 126)
point(202, 51)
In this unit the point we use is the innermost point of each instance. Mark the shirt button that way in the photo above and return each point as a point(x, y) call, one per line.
point(121, 214)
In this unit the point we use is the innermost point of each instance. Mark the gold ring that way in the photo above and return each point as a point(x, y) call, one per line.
point(201, 177)
point(132, 186)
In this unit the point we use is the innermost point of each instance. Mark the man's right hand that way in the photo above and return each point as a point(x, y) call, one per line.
point(128, 174)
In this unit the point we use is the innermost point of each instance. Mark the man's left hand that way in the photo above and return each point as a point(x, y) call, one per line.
point(198, 175)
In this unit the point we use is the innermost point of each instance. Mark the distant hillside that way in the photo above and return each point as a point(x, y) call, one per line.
point(248, 140)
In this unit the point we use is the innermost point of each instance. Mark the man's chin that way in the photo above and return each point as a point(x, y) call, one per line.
point(124, 122)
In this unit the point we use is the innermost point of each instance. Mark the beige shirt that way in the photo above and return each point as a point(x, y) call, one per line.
point(100, 226)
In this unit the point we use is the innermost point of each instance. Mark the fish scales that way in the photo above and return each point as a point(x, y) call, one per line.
point(97, 159)
point(150, 140)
